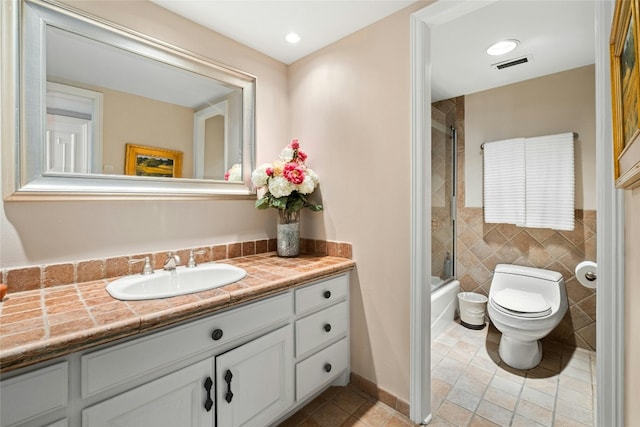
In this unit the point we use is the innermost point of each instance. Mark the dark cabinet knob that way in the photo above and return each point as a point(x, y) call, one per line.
point(327, 367)
point(327, 294)
point(327, 327)
point(216, 334)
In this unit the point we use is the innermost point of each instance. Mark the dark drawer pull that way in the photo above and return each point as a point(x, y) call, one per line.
point(216, 334)
point(327, 367)
point(327, 327)
point(227, 378)
point(208, 404)
point(327, 294)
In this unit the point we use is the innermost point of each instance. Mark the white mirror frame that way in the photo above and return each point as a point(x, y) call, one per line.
point(23, 108)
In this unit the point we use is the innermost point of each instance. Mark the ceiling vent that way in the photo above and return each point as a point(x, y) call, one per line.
point(512, 62)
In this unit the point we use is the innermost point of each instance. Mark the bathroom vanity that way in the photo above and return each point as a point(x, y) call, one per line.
point(252, 365)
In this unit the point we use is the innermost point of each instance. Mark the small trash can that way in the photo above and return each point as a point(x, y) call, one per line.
point(472, 309)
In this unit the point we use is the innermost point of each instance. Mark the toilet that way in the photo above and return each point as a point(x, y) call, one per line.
point(525, 304)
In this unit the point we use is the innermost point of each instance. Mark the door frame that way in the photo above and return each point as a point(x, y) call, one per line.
point(610, 219)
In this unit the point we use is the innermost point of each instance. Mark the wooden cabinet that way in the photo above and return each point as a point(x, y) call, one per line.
point(251, 365)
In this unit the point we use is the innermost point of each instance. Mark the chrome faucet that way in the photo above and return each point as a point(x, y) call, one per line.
point(192, 259)
point(147, 269)
point(172, 261)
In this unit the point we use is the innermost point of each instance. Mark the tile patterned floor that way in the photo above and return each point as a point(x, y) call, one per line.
point(346, 406)
point(472, 387)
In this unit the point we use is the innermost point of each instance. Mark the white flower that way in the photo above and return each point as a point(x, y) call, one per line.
point(259, 176)
point(286, 155)
point(235, 173)
point(314, 176)
point(280, 187)
point(307, 185)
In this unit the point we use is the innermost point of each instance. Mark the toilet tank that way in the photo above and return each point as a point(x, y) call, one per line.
point(547, 283)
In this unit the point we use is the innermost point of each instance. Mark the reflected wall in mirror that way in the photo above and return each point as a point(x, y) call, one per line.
point(89, 88)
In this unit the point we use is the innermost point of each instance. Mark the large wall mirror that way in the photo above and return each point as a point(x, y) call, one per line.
point(103, 111)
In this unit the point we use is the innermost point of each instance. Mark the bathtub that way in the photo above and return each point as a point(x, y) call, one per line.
point(444, 304)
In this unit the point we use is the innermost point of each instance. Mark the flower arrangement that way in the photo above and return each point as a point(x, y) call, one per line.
point(287, 182)
point(234, 173)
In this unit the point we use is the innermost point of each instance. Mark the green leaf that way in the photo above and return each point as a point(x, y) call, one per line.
point(262, 203)
point(295, 204)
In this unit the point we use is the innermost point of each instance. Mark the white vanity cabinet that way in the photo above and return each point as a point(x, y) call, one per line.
point(254, 382)
point(249, 385)
point(322, 326)
point(33, 394)
point(251, 365)
point(174, 400)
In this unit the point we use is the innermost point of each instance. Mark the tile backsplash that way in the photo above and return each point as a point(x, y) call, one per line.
point(46, 276)
point(481, 246)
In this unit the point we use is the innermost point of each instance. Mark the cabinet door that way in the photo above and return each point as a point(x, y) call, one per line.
point(177, 399)
point(33, 394)
point(254, 382)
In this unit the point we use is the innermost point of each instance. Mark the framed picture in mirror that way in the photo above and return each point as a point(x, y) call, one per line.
point(625, 94)
point(141, 160)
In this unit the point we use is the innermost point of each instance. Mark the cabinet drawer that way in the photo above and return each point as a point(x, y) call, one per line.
point(321, 368)
point(126, 362)
point(318, 329)
point(321, 294)
point(34, 394)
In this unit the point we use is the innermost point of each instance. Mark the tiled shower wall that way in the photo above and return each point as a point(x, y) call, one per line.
point(480, 246)
point(441, 186)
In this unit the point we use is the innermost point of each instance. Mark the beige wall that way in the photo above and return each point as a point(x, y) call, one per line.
point(129, 118)
point(50, 232)
point(632, 313)
point(561, 102)
point(138, 120)
point(350, 108)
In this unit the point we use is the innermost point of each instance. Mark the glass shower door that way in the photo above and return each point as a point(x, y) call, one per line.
point(443, 161)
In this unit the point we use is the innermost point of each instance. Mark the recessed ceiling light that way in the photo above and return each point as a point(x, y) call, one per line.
point(502, 47)
point(292, 38)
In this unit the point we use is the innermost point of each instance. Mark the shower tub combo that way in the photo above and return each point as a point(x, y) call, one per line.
point(444, 304)
point(444, 287)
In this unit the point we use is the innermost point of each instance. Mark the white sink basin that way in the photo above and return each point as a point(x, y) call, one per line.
point(182, 280)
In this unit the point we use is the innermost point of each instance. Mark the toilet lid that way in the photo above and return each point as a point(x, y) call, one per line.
point(522, 303)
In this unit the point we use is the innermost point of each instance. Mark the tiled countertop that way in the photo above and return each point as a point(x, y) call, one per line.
point(44, 324)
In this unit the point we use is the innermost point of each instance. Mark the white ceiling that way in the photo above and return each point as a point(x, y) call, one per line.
point(263, 24)
point(557, 34)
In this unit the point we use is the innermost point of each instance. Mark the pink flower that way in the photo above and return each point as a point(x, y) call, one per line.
point(226, 176)
point(269, 172)
point(295, 144)
point(302, 156)
point(293, 173)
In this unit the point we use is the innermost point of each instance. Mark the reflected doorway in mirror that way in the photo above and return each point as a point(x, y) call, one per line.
point(150, 161)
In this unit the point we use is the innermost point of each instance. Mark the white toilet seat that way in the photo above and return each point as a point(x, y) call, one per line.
point(521, 303)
